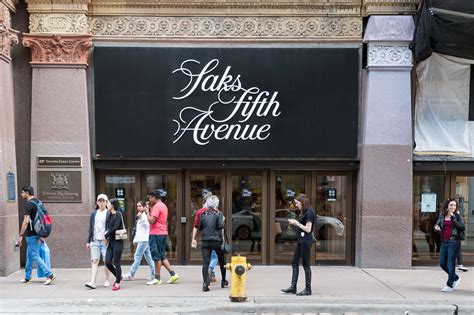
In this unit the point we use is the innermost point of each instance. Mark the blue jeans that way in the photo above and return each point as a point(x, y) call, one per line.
point(142, 249)
point(32, 256)
point(447, 260)
point(213, 262)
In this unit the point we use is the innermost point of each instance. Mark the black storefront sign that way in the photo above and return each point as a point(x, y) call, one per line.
point(226, 102)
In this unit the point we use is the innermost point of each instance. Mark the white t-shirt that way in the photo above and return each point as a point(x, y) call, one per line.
point(143, 229)
point(99, 224)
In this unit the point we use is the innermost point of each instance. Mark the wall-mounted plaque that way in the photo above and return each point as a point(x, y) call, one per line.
point(59, 186)
point(11, 187)
point(59, 161)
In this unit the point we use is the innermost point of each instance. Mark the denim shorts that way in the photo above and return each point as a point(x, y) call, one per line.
point(158, 247)
point(98, 248)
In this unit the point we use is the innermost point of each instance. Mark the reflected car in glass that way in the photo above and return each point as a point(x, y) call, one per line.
point(246, 224)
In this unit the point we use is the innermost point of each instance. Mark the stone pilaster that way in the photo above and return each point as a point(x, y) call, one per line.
point(60, 127)
point(9, 259)
point(384, 207)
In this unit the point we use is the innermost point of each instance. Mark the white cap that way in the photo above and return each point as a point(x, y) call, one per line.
point(102, 196)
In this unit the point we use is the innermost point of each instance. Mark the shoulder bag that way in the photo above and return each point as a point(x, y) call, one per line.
point(225, 246)
point(121, 234)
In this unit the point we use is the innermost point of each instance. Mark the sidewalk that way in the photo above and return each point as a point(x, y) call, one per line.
point(336, 290)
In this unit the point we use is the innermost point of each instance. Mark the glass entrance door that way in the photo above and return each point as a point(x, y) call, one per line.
point(167, 184)
point(124, 186)
point(197, 185)
point(283, 238)
point(248, 223)
point(465, 197)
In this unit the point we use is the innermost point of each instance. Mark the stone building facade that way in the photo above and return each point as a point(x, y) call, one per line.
point(48, 54)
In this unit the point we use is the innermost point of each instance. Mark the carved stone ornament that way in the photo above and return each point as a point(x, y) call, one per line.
point(388, 55)
point(8, 36)
point(389, 28)
point(227, 27)
point(58, 49)
point(370, 7)
point(58, 23)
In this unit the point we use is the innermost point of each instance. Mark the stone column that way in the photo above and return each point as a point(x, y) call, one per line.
point(60, 127)
point(9, 258)
point(384, 197)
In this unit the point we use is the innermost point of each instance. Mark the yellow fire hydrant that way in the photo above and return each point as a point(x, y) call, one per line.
point(238, 267)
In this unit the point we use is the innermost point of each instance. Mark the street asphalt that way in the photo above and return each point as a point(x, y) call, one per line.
point(336, 290)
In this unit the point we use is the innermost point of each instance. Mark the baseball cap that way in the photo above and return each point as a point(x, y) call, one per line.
point(102, 196)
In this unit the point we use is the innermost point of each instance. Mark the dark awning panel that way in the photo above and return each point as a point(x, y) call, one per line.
point(446, 27)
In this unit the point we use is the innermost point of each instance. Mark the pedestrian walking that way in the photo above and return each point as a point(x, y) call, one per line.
point(96, 242)
point(197, 218)
point(113, 255)
point(304, 234)
point(142, 232)
point(157, 217)
point(211, 226)
point(450, 227)
point(33, 240)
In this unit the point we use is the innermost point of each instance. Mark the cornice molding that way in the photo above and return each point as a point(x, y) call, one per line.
point(321, 28)
point(58, 6)
point(58, 23)
point(225, 7)
point(8, 36)
point(58, 50)
point(372, 7)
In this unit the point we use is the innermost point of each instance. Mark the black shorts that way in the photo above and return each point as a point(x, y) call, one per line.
point(158, 247)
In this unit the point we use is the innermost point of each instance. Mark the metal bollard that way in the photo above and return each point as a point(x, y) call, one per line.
point(238, 267)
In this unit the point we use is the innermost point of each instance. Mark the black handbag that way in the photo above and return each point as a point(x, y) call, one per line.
point(225, 246)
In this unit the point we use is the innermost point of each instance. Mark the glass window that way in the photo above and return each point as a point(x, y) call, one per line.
point(200, 185)
point(332, 206)
point(287, 187)
point(465, 197)
point(168, 185)
point(247, 216)
point(123, 188)
point(428, 197)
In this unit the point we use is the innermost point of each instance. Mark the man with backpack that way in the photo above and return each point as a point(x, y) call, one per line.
point(36, 225)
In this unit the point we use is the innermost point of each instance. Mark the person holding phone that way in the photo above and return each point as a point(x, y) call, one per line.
point(450, 226)
point(304, 235)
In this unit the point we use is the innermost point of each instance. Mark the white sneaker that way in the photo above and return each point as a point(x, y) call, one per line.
point(49, 279)
point(153, 282)
point(456, 283)
point(90, 285)
point(128, 277)
point(462, 268)
point(106, 284)
point(447, 289)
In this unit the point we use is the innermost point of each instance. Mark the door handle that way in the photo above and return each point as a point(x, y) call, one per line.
point(184, 220)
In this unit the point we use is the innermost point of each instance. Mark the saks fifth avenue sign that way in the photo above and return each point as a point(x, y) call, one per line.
point(226, 102)
point(227, 91)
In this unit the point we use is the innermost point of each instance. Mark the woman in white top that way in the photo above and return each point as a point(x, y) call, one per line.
point(142, 229)
point(96, 241)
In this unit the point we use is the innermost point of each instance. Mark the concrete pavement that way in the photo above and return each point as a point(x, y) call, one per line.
point(336, 290)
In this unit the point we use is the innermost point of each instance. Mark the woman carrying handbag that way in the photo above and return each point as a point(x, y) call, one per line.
point(114, 236)
point(211, 225)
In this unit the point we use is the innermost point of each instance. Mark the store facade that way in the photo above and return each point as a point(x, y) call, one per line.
point(255, 103)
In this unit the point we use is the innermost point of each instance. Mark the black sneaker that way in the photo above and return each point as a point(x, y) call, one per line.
point(25, 280)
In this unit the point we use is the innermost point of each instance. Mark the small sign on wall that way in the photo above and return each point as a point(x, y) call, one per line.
point(428, 202)
point(11, 187)
point(59, 186)
point(59, 161)
point(331, 194)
